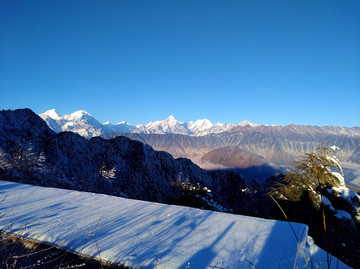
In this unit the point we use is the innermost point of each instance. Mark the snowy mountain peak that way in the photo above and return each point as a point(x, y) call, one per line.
point(168, 126)
point(79, 114)
point(85, 124)
point(200, 125)
point(108, 123)
point(52, 113)
point(246, 122)
point(171, 120)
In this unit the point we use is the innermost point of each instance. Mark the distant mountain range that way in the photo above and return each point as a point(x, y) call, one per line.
point(259, 146)
point(86, 125)
point(264, 149)
point(83, 123)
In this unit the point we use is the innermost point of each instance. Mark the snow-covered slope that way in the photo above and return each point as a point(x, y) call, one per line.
point(52, 113)
point(53, 120)
point(150, 235)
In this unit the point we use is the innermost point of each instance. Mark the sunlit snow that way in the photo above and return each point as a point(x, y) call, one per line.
point(76, 115)
point(52, 114)
point(344, 192)
point(147, 235)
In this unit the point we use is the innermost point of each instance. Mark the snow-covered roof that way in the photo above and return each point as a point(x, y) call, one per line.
point(151, 235)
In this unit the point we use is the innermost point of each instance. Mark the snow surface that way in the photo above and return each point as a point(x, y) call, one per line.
point(76, 115)
point(340, 178)
point(148, 235)
point(344, 192)
point(52, 114)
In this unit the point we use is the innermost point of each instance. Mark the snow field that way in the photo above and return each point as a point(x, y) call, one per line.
point(147, 235)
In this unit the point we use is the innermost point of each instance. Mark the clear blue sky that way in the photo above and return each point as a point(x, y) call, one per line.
point(269, 62)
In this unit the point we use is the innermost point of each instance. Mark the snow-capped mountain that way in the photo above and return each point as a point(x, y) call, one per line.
point(86, 125)
point(200, 125)
point(83, 123)
point(196, 140)
point(198, 128)
point(80, 122)
point(205, 127)
point(52, 113)
point(121, 127)
point(167, 126)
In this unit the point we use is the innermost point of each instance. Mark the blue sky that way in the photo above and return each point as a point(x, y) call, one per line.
point(269, 62)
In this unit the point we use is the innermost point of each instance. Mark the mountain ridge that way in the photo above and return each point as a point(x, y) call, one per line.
point(277, 144)
point(86, 125)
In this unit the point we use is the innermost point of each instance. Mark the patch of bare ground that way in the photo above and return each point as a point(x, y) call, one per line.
point(17, 252)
